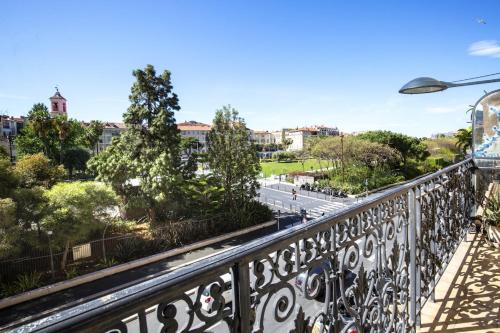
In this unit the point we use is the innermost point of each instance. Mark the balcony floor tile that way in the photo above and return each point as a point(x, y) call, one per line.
point(468, 293)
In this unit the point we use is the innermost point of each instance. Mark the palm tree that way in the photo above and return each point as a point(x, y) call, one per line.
point(464, 139)
point(62, 126)
point(92, 133)
point(40, 121)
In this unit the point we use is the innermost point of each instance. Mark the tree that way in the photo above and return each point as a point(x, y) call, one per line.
point(38, 136)
point(152, 149)
point(464, 139)
point(3, 153)
point(75, 159)
point(409, 147)
point(8, 179)
point(115, 167)
point(232, 158)
point(373, 154)
point(92, 133)
point(77, 209)
point(286, 142)
point(62, 128)
point(302, 156)
point(9, 230)
point(50, 136)
point(36, 170)
point(31, 206)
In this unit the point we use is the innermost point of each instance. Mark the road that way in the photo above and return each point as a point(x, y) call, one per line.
point(30, 310)
point(279, 197)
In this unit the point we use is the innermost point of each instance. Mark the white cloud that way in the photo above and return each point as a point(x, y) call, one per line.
point(488, 48)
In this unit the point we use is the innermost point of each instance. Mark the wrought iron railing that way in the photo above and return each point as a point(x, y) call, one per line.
point(367, 268)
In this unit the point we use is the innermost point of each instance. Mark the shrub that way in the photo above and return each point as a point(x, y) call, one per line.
point(492, 210)
point(37, 170)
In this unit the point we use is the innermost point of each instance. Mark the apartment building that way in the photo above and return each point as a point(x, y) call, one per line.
point(196, 130)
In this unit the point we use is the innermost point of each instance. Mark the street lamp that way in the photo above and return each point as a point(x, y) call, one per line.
point(342, 154)
point(9, 137)
point(49, 233)
point(424, 85)
point(484, 153)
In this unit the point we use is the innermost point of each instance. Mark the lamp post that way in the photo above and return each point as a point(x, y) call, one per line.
point(49, 233)
point(424, 85)
point(9, 137)
point(342, 154)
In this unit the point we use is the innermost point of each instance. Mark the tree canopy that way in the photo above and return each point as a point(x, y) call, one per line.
point(232, 157)
point(150, 148)
point(408, 146)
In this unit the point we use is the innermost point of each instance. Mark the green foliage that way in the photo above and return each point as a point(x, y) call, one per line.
point(38, 136)
point(92, 133)
point(36, 170)
point(232, 158)
point(444, 148)
point(464, 139)
point(9, 230)
point(492, 210)
point(31, 206)
point(205, 196)
point(23, 283)
point(276, 168)
point(409, 147)
point(50, 136)
point(106, 263)
point(76, 158)
point(373, 154)
point(8, 179)
point(284, 156)
point(115, 167)
point(150, 148)
point(4, 154)
point(77, 208)
point(71, 272)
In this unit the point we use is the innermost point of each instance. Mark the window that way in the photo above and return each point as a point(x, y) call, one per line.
point(54, 106)
point(64, 107)
point(6, 124)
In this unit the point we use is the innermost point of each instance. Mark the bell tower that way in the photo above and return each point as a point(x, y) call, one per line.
point(58, 104)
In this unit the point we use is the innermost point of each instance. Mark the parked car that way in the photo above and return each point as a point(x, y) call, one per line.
point(207, 299)
point(316, 288)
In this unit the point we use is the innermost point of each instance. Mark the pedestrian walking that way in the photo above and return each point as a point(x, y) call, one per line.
point(294, 194)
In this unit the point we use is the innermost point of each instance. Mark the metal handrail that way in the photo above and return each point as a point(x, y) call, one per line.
point(148, 293)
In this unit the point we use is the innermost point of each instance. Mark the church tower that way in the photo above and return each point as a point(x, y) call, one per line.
point(58, 105)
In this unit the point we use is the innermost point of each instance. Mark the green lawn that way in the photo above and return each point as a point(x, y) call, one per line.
point(276, 168)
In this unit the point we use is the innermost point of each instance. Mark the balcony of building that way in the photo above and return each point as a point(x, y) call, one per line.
point(405, 261)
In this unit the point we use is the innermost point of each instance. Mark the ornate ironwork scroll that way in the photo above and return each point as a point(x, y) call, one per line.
point(351, 271)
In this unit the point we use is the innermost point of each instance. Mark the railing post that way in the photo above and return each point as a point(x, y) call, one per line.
point(241, 287)
point(412, 224)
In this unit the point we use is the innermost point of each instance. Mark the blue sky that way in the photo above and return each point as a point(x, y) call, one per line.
point(280, 63)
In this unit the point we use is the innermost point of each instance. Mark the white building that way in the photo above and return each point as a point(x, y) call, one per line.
point(262, 137)
point(299, 136)
point(109, 131)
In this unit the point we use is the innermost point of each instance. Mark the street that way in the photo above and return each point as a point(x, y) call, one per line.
point(279, 197)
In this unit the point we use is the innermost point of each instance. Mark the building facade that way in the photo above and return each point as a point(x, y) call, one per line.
point(110, 131)
point(299, 136)
point(196, 130)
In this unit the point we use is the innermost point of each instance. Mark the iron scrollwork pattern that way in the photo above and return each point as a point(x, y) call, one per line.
point(350, 271)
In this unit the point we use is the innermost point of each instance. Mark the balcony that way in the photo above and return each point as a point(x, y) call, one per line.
point(376, 266)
